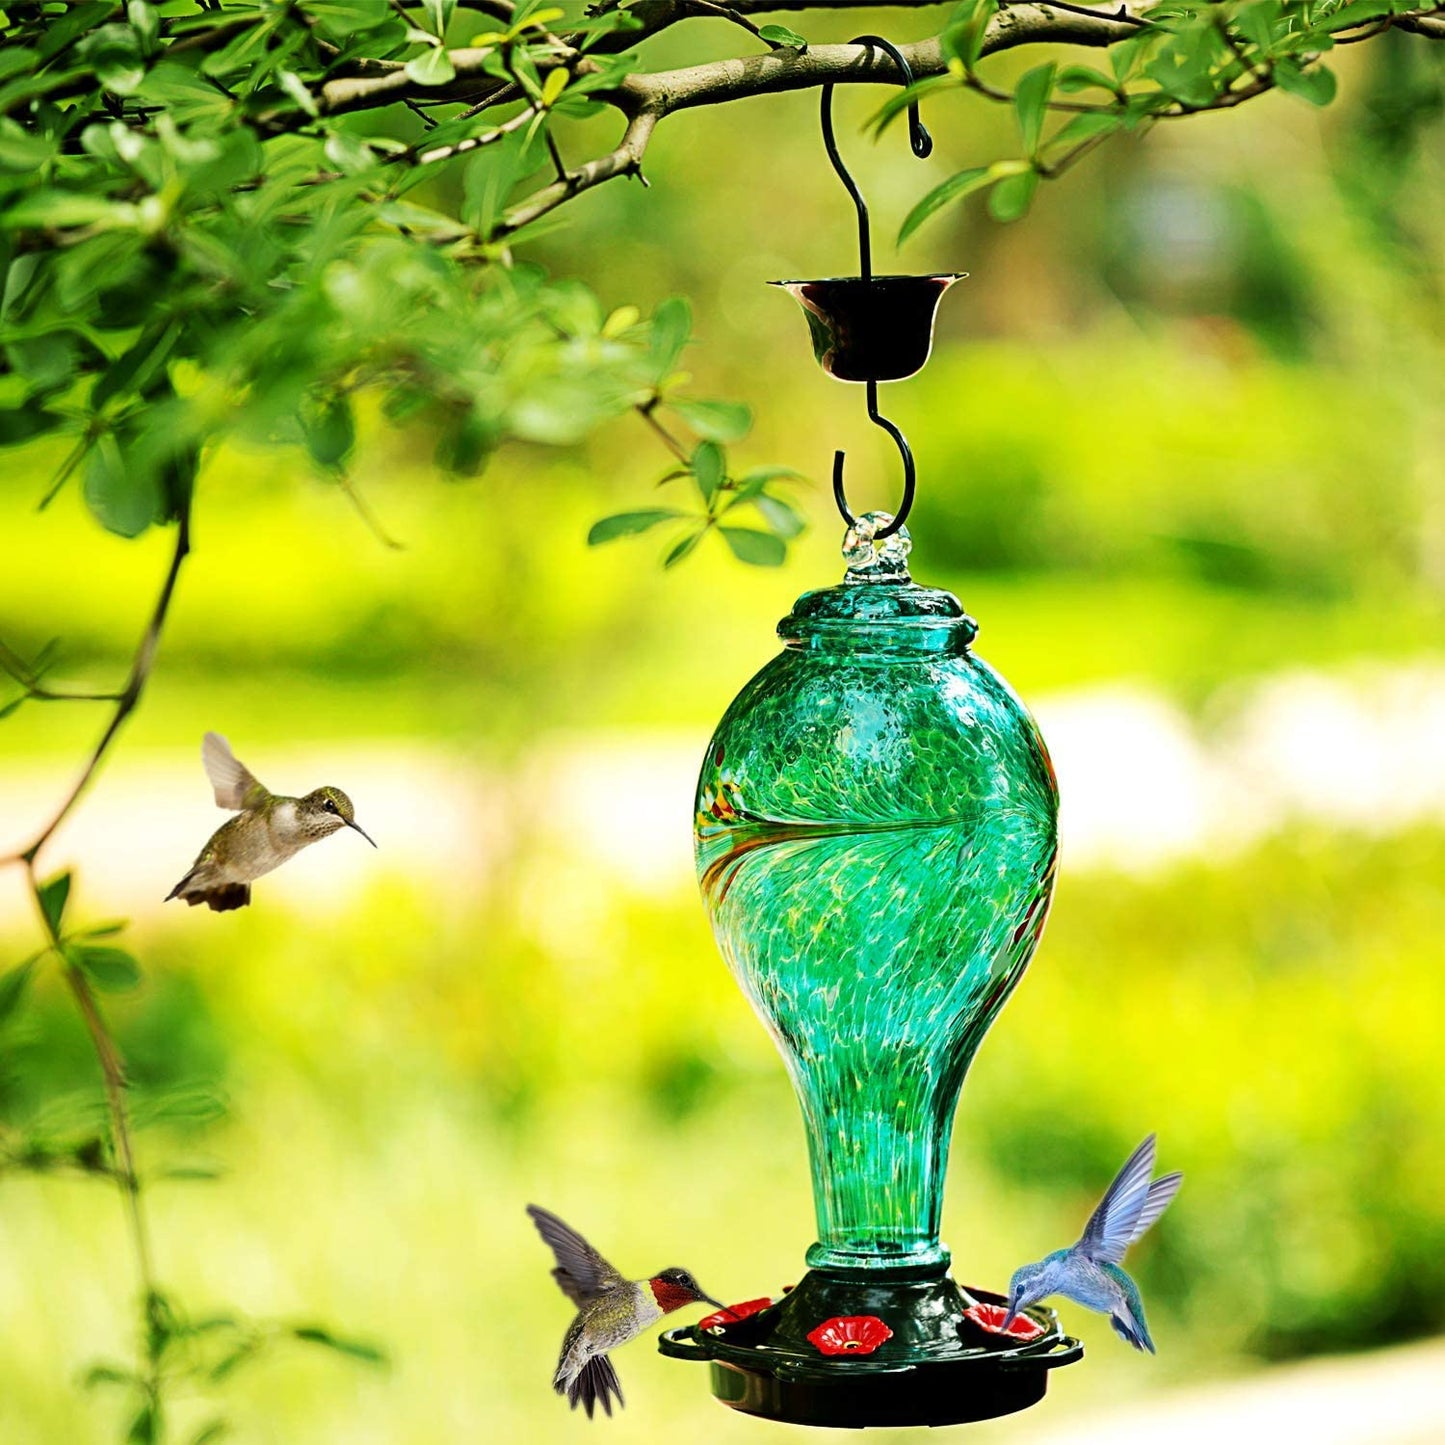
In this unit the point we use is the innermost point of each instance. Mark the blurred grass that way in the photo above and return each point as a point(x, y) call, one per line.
point(1182, 427)
point(400, 1094)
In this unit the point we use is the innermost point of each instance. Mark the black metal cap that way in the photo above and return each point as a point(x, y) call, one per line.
point(871, 328)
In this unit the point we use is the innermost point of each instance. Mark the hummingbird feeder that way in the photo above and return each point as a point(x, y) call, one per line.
point(876, 840)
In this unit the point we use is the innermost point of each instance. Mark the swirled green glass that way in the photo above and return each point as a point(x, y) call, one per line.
point(876, 843)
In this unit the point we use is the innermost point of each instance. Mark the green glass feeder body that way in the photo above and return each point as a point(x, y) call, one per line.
point(876, 842)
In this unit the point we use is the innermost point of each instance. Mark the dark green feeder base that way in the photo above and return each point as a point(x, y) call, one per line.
point(938, 1367)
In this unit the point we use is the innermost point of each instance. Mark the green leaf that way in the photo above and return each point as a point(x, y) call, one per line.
point(440, 13)
point(58, 210)
point(408, 217)
point(716, 421)
point(1031, 101)
point(1084, 127)
point(1124, 58)
point(709, 468)
point(46, 361)
point(1010, 198)
point(104, 930)
point(759, 477)
point(1184, 77)
point(432, 67)
point(209, 1434)
point(684, 548)
point(106, 1374)
point(356, 1349)
point(145, 22)
point(779, 516)
point(124, 497)
point(292, 84)
point(553, 86)
point(962, 39)
point(191, 1173)
point(145, 1429)
point(1082, 77)
point(671, 326)
point(20, 423)
point(953, 189)
point(628, 524)
point(909, 95)
point(349, 153)
point(114, 53)
point(758, 549)
point(14, 59)
point(12, 988)
point(780, 35)
point(112, 970)
point(344, 16)
point(1357, 12)
point(21, 151)
point(464, 446)
point(330, 430)
point(1314, 83)
point(53, 897)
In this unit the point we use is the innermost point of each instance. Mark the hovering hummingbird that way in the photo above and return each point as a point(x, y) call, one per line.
point(267, 830)
point(1088, 1272)
point(610, 1311)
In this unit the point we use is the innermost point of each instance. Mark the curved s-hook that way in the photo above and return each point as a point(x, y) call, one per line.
point(918, 138)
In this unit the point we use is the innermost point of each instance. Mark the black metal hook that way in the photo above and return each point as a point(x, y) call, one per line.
point(905, 505)
point(922, 145)
point(918, 138)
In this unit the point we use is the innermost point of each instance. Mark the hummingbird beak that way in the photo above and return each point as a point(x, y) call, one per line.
point(1013, 1309)
point(707, 1299)
point(363, 833)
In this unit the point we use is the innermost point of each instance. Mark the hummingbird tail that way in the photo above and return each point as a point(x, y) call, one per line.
point(595, 1383)
point(1132, 1329)
point(220, 899)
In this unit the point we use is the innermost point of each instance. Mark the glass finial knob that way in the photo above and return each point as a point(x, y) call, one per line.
point(870, 560)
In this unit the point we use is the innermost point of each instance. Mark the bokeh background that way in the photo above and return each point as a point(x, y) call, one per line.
point(1182, 450)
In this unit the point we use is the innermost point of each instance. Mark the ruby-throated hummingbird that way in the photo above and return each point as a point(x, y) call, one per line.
point(266, 831)
point(1088, 1272)
point(610, 1311)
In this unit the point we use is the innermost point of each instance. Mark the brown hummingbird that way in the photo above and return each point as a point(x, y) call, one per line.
point(610, 1311)
point(266, 831)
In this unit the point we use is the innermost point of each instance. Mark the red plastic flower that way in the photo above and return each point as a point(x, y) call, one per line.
point(850, 1335)
point(733, 1313)
point(991, 1318)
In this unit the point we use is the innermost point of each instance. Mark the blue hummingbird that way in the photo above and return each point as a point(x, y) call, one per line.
point(1088, 1272)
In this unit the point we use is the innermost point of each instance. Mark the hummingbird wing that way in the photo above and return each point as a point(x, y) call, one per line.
point(581, 1273)
point(1114, 1225)
point(235, 786)
point(1156, 1201)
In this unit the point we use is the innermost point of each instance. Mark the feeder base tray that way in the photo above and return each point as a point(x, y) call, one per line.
point(937, 1366)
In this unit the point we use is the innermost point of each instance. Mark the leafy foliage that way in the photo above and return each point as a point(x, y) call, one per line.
point(719, 494)
point(202, 241)
point(1174, 59)
point(66, 1133)
point(266, 221)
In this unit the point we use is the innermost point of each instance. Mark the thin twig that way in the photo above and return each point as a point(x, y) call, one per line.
point(28, 676)
point(368, 517)
point(646, 410)
point(112, 1069)
point(130, 695)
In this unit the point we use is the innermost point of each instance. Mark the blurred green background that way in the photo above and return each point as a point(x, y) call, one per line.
point(1182, 452)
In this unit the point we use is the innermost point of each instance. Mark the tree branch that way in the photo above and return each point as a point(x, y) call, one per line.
point(626, 160)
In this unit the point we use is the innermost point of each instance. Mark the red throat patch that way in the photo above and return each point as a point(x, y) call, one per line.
point(670, 1296)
